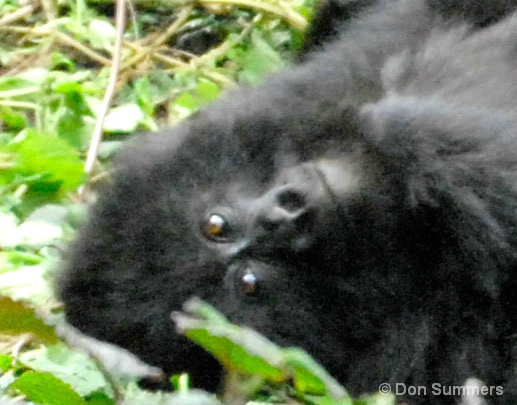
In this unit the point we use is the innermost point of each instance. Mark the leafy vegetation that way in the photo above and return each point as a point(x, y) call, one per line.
point(56, 62)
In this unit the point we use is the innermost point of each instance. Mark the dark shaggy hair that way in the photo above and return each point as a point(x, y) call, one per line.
point(361, 205)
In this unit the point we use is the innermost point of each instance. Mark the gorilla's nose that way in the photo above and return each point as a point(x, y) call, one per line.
point(282, 219)
point(280, 207)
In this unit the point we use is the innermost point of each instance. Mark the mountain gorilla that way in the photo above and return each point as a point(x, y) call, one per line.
point(361, 205)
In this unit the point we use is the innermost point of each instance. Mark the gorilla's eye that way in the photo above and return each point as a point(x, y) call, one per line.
point(249, 284)
point(216, 227)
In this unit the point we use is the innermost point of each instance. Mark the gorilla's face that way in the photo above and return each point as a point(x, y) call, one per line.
point(297, 242)
point(253, 231)
point(317, 248)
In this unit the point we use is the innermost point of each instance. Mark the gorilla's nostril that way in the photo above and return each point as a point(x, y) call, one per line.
point(290, 200)
point(268, 225)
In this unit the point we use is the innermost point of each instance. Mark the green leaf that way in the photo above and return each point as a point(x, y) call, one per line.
point(259, 59)
point(43, 226)
point(207, 90)
point(203, 92)
point(142, 91)
point(43, 168)
point(99, 398)
point(16, 318)
point(62, 62)
point(184, 105)
point(180, 382)
point(73, 367)
point(53, 160)
point(225, 345)
point(26, 283)
point(8, 83)
point(6, 362)
point(244, 350)
point(125, 118)
point(71, 119)
point(45, 389)
point(309, 376)
point(12, 119)
point(101, 34)
point(108, 149)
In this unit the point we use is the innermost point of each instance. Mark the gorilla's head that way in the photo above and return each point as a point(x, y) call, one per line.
point(361, 205)
point(237, 210)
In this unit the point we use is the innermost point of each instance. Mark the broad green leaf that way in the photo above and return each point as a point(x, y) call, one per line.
point(207, 90)
point(125, 118)
point(11, 119)
point(101, 34)
point(184, 105)
point(309, 376)
point(237, 348)
point(260, 58)
point(55, 165)
point(26, 283)
point(43, 226)
point(26, 85)
point(108, 149)
point(42, 169)
point(246, 351)
point(17, 318)
point(73, 367)
point(45, 389)
point(62, 62)
point(6, 362)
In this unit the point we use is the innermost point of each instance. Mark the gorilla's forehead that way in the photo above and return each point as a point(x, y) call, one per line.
point(230, 145)
point(227, 174)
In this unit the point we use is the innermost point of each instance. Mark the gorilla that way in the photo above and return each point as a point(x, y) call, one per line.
point(361, 205)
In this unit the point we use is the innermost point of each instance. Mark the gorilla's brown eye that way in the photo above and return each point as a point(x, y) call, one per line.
point(249, 284)
point(216, 227)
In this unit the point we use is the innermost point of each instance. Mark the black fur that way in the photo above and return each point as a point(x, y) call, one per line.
point(372, 192)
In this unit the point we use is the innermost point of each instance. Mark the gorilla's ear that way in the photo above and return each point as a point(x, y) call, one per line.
point(455, 162)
